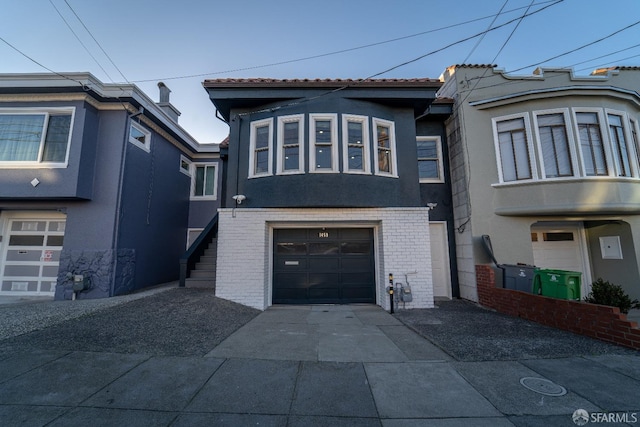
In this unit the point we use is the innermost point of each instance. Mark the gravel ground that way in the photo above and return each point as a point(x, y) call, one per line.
point(469, 332)
point(174, 322)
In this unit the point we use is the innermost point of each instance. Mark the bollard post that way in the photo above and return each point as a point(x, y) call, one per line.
point(391, 292)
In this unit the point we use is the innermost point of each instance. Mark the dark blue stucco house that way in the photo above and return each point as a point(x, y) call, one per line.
point(100, 189)
point(329, 186)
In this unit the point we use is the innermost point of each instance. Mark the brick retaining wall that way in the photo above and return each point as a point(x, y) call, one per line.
point(596, 321)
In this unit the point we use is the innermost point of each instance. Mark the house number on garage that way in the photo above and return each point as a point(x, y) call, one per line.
point(323, 234)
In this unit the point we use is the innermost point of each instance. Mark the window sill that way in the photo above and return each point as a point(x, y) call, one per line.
point(203, 198)
point(564, 180)
point(32, 165)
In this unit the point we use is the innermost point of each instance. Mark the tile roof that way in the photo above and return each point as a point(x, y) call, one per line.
point(267, 82)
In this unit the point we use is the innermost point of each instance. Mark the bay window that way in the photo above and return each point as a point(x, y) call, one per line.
point(355, 143)
point(513, 149)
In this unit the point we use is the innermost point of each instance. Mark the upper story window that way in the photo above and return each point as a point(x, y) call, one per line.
point(261, 137)
point(323, 134)
point(355, 144)
point(385, 138)
point(621, 151)
point(591, 144)
point(140, 136)
point(291, 144)
point(634, 138)
point(513, 149)
point(204, 181)
point(554, 145)
point(35, 138)
point(430, 165)
point(185, 165)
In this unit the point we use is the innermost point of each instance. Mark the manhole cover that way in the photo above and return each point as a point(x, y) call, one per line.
point(542, 386)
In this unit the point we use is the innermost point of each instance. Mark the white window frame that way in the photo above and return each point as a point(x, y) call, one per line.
point(635, 141)
point(604, 134)
point(281, 152)
point(366, 156)
point(438, 142)
point(392, 146)
point(573, 155)
point(185, 162)
point(146, 146)
point(333, 118)
point(626, 127)
point(528, 134)
point(47, 112)
point(213, 196)
point(252, 148)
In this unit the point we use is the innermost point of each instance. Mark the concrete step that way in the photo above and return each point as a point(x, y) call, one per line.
point(205, 266)
point(210, 252)
point(203, 274)
point(207, 259)
point(193, 282)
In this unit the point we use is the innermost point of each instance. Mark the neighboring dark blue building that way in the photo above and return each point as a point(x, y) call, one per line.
point(331, 185)
point(96, 180)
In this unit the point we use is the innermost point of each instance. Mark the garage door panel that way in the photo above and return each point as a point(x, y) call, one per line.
point(24, 255)
point(338, 266)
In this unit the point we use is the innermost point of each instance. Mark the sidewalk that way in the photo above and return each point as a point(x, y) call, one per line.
point(173, 359)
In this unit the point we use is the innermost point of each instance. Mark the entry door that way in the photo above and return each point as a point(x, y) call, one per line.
point(440, 268)
point(31, 257)
point(323, 265)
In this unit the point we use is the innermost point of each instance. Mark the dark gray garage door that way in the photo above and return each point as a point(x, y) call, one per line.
point(323, 265)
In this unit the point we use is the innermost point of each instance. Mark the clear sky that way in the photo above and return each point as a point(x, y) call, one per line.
point(184, 42)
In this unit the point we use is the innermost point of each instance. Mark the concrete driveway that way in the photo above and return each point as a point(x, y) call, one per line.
point(185, 358)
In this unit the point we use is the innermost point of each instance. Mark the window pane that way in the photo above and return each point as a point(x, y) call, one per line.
point(384, 160)
point(323, 157)
point(17, 240)
point(383, 136)
point(20, 137)
point(262, 161)
point(291, 158)
point(355, 158)
point(357, 248)
point(507, 156)
point(427, 150)
point(262, 137)
point(55, 144)
point(137, 135)
point(291, 133)
point(291, 248)
point(514, 150)
point(209, 180)
point(323, 248)
point(323, 131)
point(591, 144)
point(199, 184)
point(428, 168)
point(555, 146)
point(355, 132)
point(620, 150)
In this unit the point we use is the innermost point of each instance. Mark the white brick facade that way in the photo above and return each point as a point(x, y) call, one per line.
point(245, 240)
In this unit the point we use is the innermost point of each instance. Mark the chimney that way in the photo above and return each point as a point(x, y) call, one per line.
point(164, 103)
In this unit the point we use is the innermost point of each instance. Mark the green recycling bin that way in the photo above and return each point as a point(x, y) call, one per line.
point(560, 284)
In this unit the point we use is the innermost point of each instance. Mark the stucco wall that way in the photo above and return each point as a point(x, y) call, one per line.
point(245, 245)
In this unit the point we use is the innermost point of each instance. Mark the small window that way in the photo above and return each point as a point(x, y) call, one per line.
point(139, 136)
point(204, 181)
point(385, 141)
point(355, 144)
point(513, 148)
point(291, 144)
point(29, 137)
point(185, 166)
point(260, 156)
point(591, 144)
point(557, 237)
point(430, 159)
point(619, 145)
point(323, 135)
point(554, 145)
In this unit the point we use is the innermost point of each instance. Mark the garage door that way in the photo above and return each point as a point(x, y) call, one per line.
point(323, 265)
point(31, 258)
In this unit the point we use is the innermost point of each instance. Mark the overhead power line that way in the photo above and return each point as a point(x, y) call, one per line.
point(337, 52)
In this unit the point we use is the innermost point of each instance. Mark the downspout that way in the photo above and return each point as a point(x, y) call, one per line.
point(116, 228)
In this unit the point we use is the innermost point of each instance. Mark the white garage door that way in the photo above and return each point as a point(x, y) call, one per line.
point(560, 248)
point(440, 260)
point(31, 256)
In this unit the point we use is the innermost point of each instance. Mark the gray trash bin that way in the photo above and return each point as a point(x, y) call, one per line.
point(518, 277)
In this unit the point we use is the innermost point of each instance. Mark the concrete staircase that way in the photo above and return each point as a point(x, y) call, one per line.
point(204, 273)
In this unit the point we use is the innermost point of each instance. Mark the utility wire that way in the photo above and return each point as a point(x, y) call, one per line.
point(322, 55)
point(96, 41)
point(482, 37)
point(80, 41)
